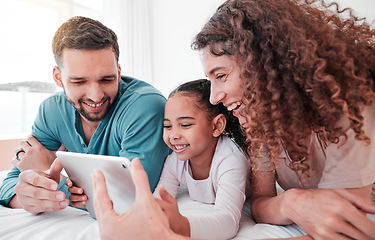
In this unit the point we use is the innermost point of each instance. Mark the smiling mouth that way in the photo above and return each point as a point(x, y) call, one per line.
point(179, 148)
point(234, 106)
point(93, 105)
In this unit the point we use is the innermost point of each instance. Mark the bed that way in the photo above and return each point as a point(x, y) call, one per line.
point(72, 223)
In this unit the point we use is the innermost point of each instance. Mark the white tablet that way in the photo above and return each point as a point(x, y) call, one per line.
point(117, 172)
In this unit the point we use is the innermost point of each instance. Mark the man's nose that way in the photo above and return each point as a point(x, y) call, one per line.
point(95, 92)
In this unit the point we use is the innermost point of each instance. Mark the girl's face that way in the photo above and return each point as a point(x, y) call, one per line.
point(224, 74)
point(187, 130)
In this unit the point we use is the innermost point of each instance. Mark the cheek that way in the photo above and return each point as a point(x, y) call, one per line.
point(111, 91)
point(236, 90)
point(73, 93)
point(166, 137)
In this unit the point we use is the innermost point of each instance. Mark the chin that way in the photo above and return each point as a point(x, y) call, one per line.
point(242, 121)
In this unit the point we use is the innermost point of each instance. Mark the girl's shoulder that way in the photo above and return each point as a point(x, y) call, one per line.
point(228, 154)
point(227, 146)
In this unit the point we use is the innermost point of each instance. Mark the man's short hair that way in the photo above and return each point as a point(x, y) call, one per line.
point(85, 34)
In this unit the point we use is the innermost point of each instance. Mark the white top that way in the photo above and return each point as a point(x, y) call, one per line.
point(225, 188)
point(351, 165)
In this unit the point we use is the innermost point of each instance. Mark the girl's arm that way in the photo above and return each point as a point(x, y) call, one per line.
point(166, 192)
point(223, 222)
point(168, 177)
point(321, 213)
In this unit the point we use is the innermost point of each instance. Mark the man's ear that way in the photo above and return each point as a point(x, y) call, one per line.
point(219, 124)
point(119, 71)
point(57, 76)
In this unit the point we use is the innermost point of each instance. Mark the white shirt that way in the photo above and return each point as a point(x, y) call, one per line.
point(225, 188)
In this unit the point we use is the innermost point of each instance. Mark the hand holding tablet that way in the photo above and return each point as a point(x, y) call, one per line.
point(117, 172)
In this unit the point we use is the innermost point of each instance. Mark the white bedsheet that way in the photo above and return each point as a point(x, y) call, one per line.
point(72, 223)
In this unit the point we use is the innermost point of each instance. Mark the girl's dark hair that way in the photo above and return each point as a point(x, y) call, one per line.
point(200, 89)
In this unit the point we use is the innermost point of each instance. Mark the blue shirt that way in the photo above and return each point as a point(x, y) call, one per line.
point(133, 127)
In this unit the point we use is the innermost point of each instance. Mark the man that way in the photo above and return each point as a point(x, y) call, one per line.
point(99, 112)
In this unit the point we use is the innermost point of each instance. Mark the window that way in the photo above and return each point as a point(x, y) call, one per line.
point(26, 31)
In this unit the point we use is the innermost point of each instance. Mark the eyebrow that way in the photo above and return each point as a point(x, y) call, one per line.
point(181, 118)
point(81, 78)
point(214, 70)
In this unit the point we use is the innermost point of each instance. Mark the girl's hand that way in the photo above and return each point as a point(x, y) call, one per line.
point(331, 214)
point(178, 223)
point(77, 197)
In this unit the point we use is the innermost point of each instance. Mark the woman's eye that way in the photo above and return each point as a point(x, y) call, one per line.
point(220, 77)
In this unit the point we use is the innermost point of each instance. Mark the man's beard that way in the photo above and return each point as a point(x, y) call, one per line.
point(86, 115)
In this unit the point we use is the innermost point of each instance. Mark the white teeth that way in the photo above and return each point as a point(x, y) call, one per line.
point(178, 147)
point(233, 106)
point(95, 105)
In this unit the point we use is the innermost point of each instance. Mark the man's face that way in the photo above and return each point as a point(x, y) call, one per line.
point(90, 79)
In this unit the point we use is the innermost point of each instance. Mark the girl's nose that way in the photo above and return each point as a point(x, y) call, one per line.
point(174, 134)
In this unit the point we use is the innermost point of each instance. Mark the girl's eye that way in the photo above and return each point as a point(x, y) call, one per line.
point(167, 126)
point(185, 125)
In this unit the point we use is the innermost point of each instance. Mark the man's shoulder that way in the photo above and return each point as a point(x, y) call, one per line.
point(56, 99)
point(130, 85)
point(137, 94)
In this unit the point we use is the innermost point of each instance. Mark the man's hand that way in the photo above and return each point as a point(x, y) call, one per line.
point(36, 191)
point(33, 155)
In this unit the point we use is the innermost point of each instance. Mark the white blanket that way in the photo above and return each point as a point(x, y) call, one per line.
point(72, 223)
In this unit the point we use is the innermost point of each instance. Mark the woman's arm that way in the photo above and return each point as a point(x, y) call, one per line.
point(321, 213)
point(265, 204)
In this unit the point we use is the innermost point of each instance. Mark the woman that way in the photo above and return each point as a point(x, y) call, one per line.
point(300, 79)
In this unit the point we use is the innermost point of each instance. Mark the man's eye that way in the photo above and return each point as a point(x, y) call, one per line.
point(107, 80)
point(78, 82)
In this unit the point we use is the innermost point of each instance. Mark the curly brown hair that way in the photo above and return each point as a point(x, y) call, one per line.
point(83, 33)
point(303, 66)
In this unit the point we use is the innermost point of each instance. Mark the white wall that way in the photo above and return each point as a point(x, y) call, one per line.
point(173, 25)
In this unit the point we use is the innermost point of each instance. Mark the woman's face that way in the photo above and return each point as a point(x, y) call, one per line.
point(224, 74)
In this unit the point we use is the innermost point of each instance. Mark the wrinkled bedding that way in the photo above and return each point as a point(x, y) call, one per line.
point(72, 223)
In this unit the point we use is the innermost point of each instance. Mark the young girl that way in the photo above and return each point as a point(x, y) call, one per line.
point(205, 160)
